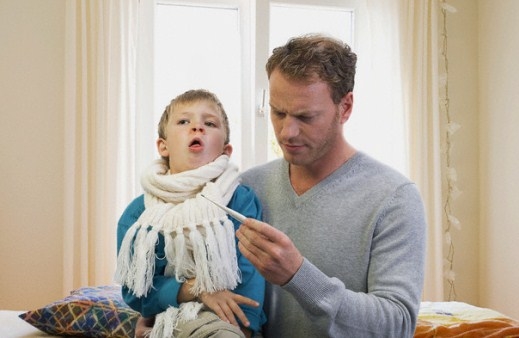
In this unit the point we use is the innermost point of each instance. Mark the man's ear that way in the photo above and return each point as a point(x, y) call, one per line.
point(346, 107)
point(227, 149)
point(162, 147)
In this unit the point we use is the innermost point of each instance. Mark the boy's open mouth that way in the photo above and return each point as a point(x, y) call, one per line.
point(196, 143)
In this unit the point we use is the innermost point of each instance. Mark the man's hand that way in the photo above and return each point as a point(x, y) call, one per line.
point(225, 304)
point(269, 250)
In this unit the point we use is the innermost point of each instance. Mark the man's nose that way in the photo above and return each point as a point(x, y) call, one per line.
point(290, 127)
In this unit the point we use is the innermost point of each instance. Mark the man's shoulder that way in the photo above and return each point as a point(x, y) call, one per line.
point(261, 169)
point(376, 169)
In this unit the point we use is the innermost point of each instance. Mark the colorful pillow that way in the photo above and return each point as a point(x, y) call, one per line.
point(87, 312)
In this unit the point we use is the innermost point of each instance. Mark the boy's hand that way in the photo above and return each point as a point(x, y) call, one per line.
point(226, 305)
point(220, 300)
point(143, 327)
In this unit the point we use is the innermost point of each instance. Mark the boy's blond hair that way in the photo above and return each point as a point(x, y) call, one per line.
point(192, 96)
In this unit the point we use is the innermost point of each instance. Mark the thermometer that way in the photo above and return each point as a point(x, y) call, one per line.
point(234, 214)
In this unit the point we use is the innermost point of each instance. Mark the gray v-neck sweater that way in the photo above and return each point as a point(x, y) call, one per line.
point(362, 233)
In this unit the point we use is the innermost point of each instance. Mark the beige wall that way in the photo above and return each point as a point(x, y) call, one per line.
point(484, 83)
point(499, 160)
point(483, 89)
point(31, 143)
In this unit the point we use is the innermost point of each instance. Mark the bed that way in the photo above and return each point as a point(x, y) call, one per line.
point(12, 326)
point(100, 312)
point(87, 312)
point(458, 319)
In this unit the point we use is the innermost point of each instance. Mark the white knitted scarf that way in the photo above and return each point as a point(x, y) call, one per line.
point(199, 237)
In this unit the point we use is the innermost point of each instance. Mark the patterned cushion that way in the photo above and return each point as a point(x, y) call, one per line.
point(87, 312)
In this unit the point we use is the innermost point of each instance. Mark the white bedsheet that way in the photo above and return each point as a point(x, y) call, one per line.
point(11, 326)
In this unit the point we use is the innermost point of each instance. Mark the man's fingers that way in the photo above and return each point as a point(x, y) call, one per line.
point(249, 251)
point(261, 229)
point(253, 245)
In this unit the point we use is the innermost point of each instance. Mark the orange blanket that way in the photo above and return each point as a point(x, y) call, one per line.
point(457, 319)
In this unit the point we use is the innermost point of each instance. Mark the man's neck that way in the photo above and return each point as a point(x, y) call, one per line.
point(305, 177)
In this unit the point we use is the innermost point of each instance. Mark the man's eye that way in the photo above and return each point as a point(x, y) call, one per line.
point(306, 119)
point(278, 114)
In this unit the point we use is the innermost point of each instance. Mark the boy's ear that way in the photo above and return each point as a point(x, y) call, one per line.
point(162, 147)
point(227, 149)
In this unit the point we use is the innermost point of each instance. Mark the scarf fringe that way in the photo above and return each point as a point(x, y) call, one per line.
point(136, 260)
point(144, 262)
point(199, 237)
point(123, 272)
point(231, 249)
point(166, 322)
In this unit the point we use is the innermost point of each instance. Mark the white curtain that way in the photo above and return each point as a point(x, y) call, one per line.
point(100, 134)
point(420, 46)
point(404, 35)
point(106, 116)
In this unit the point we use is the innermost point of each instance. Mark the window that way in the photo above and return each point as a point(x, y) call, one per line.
point(223, 45)
point(199, 47)
point(288, 20)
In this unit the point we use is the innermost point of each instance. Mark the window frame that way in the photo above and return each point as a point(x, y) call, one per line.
point(262, 52)
point(254, 35)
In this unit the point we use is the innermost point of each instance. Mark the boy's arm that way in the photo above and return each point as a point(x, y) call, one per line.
point(252, 284)
point(165, 289)
point(244, 304)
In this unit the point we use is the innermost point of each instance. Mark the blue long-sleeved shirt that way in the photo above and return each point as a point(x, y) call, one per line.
point(165, 289)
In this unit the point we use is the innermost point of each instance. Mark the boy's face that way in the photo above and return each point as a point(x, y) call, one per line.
point(195, 136)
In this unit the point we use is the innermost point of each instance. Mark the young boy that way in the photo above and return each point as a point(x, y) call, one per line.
point(177, 255)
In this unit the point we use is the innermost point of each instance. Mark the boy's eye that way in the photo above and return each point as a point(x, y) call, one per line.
point(183, 121)
point(210, 124)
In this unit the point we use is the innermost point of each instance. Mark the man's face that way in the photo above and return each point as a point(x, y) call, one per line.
point(307, 123)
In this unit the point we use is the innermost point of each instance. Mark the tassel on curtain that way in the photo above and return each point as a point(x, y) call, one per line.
point(99, 141)
point(426, 96)
point(451, 176)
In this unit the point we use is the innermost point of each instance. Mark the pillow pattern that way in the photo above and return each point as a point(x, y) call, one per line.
point(87, 312)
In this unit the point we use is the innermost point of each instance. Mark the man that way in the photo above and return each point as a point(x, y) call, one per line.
point(343, 246)
point(345, 253)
